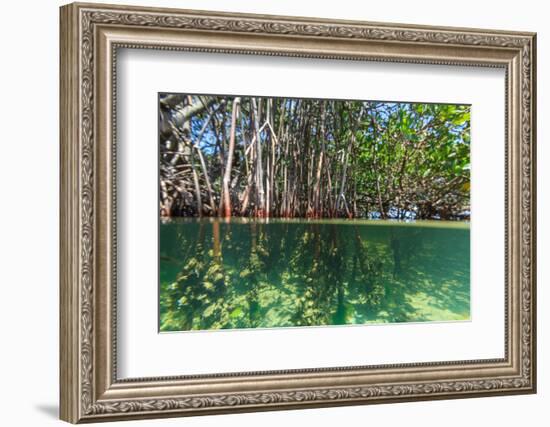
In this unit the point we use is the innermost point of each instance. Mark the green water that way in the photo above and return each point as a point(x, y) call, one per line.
point(216, 274)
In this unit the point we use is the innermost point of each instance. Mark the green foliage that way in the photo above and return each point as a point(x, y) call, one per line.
point(415, 158)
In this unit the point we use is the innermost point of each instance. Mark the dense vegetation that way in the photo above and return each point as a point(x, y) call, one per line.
point(283, 157)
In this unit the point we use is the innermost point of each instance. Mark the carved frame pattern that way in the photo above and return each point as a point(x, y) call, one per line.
point(80, 22)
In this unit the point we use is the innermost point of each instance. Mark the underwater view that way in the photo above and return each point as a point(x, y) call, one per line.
point(249, 273)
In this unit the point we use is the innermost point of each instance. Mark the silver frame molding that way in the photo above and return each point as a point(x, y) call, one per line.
point(90, 37)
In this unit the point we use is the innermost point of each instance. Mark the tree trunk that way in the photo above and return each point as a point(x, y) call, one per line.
point(260, 196)
point(227, 175)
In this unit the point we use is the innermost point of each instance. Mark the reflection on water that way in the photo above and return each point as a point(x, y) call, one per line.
point(256, 274)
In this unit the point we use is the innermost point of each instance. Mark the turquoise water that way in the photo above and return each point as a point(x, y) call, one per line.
point(218, 274)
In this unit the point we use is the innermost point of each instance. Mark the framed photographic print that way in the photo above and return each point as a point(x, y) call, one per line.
point(266, 212)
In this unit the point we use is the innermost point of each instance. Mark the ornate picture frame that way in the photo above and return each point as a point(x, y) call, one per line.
point(90, 37)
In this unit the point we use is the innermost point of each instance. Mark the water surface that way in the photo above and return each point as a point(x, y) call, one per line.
point(217, 274)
